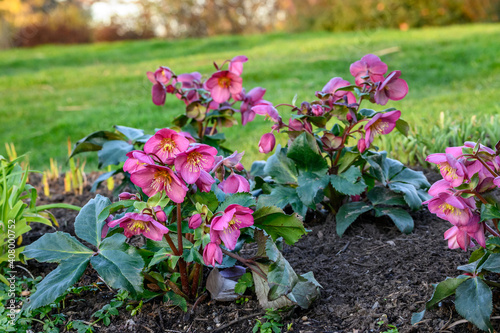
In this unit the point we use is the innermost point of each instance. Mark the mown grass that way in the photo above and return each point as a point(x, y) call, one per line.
point(50, 93)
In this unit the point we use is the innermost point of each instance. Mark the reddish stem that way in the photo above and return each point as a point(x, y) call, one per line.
point(182, 263)
point(491, 230)
point(246, 262)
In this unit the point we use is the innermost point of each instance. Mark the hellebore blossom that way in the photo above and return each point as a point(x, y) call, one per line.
point(212, 253)
point(195, 221)
point(381, 123)
point(370, 65)
point(266, 109)
point(236, 64)
point(160, 78)
point(227, 227)
point(166, 144)
point(137, 160)
point(452, 170)
point(336, 83)
point(191, 162)
point(460, 236)
point(234, 184)
point(254, 97)
point(204, 183)
point(454, 209)
point(222, 84)
point(392, 88)
point(155, 178)
point(160, 214)
point(190, 82)
point(136, 224)
point(267, 143)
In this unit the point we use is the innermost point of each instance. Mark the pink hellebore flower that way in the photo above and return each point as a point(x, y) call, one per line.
point(393, 88)
point(452, 170)
point(204, 183)
point(191, 162)
point(267, 143)
point(212, 253)
point(336, 83)
point(361, 145)
point(496, 181)
point(236, 64)
point(136, 224)
point(105, 228)
point(266, 110)
point(456, 210)
point(439, 187)
point(160, 214)
point(166, 144)
point(370, 65)
point(190, 81)
point(460, 236)
point(227, 227)
point(234, 184)
point(155, 178)
point(137, 160)
point(222, 84)
point(160, 78)
point(381, 123)
point(233, 160)
point(254, 97)
point(195, 221)
point(295, 125)
point(317, 110)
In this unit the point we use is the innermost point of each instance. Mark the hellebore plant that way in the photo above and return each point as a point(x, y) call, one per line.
point(465, 197)
point(193, 209)
point(210, 106)
point(328, 151)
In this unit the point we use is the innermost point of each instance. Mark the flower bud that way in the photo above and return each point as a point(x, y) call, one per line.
point(239, 167)
point(160, 214)
point(295, 125)
point(195, 221)
point(361, 145)
point(266, 143)
point(317, 110)
point(331, 141)
point(212, 253)
point(127, 196)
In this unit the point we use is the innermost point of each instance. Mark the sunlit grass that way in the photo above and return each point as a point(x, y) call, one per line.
point(50, 93)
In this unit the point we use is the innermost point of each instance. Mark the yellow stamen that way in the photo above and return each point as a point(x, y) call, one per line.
point(138, 224)
point(167, 145)
point(448, 170)
point(380, 126)
point(194, 161)
point(224, 82)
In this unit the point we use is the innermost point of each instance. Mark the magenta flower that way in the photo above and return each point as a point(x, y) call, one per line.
point(439, 187)
point(381, 123)
point(227, 227)
point(155, 178)
point(191, 162)
point(234, 184)
point(136, 224)
point(222, 84)
point(295, 125)
point(105, 227)
point(266, 109)
point(190, 82)
point(361, 145)
point(233, 160)
point(336, 83)
point(267, 143)
point(370, 65)
point(253, 97)
point(393, 88)
point(204, 183)
point(160, 214)
point(212, 253)
point(460, 236)
point(317, 110)
point(452, 170)
point(128, 196)
point(160, 78)
point(456, 210)
point(137, 160)
point(166, 144)
point(195, 221)
point(236, 64)
point(496, 181)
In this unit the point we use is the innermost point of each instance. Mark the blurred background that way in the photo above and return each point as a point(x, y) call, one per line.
point(51, 91)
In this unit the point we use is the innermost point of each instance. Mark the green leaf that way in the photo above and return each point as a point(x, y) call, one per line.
point(477, 254)
point(410, 194)
point(176, 300)
point(277, 224)
point(489, 212)
point(88, 224)
point(104, 177)
point(471, 267)
point(56, 247)
point(492, 264)
point(346, 160)
point(409, 176)
point(280, 197)
point(113, 153)
point(305, 152)
point(113, 208)
point(348, 213)
point(401, 218)
point(281, 168)
point(402, 126)
point(131, 133)
point(383, 196)
point(444, 289)
point(367, 113)
point(349, 182)
point(493, 241)
point(281, 277)
point(311, 187)
point(94, 141)
point(257, 169)
point(119, 264)
point(376, 161)
point(57, 281)
point(206, 198)
point(473, 301)
point(305, 291)
point(243, 199)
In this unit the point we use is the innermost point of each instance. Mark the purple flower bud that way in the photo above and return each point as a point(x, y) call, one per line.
point(266, 143)
point(195, 221)
point(127, 196)
point(361, 145)
point(160, 214)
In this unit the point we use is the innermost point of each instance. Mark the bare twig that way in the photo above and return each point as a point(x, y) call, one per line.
point(238, 320)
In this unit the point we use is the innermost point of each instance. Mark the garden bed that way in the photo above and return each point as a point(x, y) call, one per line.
point(373, 274)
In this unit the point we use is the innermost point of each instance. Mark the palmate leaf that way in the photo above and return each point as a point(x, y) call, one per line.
point(277, 224)
point(305, 152)
point(132, 134)
point(349, 182)
point(311, 186)
point(400, 217)
point(473, 301)
point(281, 168)
point(348, 213)
point(383, 196)
point(281, 196)
point(305, 291)
point(410, 194)
point(113, 153)
point(94, 141)
point(242, 199)
point(281, 276)
point(88, 223)
point(56, 247)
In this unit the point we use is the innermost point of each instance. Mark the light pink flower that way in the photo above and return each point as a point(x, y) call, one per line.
point(160, 214)
point(381, 123)
point(496, 181)
point(336, 83)
point(460, 236)
point(454, 209)
point(393, 88)
point(105, 227)
point(254, 97)
point(236, 64)
point(155, 178)
point(190, 82)
point(222, 84)
point(234, 184)
point(266, 110)
point(370, 65)
point(267, 143)
point(191, 162)
point(136, 224)
point(137, 160)
point(361, 145)
point(452, 170)
point(227, 227)
point(212, 253)
point(166, 144)
point(439, 187)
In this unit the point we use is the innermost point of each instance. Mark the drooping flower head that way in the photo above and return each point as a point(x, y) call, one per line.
point(254, 97)
point(336, 83)
point(189, 83)
point(160, 79)
point(267, 143)
point(370, 65)
point(137, 160)
point(227, 226)
point(392, 88)
point(222, 84)
point(235, 184)
point(166, 144)
point(190, 163)
point(212, 253)
point(452, 170)
point(156, 178)
point(454, 209)
point(267, 110)
point(460, 236)
point(381, 123)
point(204, 183)
point(136, 224)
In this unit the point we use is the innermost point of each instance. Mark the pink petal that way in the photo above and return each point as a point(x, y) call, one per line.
point(159, 94)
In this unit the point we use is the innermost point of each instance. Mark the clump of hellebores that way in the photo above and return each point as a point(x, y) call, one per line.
point(328, 153)
point(466, 198)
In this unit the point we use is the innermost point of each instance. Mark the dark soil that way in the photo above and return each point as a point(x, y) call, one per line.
point(372, 274)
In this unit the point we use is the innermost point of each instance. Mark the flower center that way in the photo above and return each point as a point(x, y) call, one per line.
point(138, 225)
point(380, 126)
point(231, 225)
point(448, 171)
point(224, 82)
point(167, 145)
point(195, 160)
point(161, 179)
point(449, 209)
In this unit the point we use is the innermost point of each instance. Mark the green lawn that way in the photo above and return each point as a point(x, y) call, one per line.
point(50, 93)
